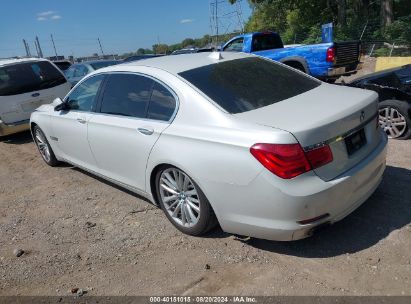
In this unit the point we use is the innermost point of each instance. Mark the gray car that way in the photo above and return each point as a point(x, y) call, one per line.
point(77, 71)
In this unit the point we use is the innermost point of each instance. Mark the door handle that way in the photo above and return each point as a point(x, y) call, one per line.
point(145, 131)
point(81, 120)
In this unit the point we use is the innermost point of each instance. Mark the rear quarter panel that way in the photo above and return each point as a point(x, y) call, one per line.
point(210, 146)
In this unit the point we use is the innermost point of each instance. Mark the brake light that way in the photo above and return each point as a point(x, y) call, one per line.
point(330, 54)
point(320, 156)
point(289, 160)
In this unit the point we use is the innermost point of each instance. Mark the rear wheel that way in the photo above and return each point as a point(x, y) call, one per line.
point(183, 202)
point(394, 120)
point(44, 147)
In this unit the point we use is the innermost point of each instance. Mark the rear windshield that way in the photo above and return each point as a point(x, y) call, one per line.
point(102, 64)
point(247, 84)
point(27, 77)
point(265, 42)
point(63, 65)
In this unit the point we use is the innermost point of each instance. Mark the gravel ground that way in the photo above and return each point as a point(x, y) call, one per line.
point(78, 231)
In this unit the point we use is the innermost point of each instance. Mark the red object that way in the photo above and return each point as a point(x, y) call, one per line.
point(320, 156)
point(289, 160)
point(330, 54)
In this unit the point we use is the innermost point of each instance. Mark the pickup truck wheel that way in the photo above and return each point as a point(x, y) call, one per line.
point(394, 119)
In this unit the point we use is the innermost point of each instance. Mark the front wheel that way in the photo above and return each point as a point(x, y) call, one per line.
point(44, 147)
point(394, 120)
point(183, 202)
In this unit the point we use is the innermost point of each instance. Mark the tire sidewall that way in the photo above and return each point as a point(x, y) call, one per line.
point(53, 160)
point(402, 107)
point(206, 212)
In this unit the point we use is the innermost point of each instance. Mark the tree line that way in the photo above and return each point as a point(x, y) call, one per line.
point(299, 21)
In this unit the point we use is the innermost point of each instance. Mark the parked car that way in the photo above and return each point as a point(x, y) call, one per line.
point(77, 71)
point(63, 65)
point(326, 61)
point(192, 50)
point(260, 148)
point(394, 90)
point(25, 84)
point(141, 57)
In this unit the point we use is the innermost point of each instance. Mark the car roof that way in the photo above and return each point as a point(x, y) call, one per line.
point(97, 61)
point(178, 64)
point(4, 62)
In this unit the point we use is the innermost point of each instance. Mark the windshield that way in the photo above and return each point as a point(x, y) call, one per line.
point(247, 84)
point(27, 77)
point(102, 64)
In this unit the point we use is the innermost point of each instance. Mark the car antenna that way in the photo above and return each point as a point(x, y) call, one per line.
point(216, 55)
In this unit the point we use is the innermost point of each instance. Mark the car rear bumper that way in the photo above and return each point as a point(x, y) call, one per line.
point(7, 129)
point(270, 208)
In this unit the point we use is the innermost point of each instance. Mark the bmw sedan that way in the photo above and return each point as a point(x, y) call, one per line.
point(232, 139)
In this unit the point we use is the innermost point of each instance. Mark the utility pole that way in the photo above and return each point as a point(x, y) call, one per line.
point(40, 53)
point(54, 46)
point(216, 20)
point(101, 48)
point(37, 48)
point(26, 46)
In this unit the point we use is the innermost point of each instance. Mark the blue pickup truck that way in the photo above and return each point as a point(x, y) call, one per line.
point(326, 61)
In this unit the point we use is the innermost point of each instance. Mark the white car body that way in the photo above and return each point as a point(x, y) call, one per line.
point(213, 146)
point(16, 108)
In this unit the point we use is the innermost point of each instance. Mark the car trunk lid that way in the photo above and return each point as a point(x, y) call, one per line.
point(344, 118)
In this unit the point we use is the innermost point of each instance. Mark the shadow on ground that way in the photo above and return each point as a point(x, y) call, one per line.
point(17, 139)
point(388, 209)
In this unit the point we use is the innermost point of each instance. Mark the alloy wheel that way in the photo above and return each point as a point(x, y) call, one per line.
point(42, 145)
point(179, 197)
point(392, 122)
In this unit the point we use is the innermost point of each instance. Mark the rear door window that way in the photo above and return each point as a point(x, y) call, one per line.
point(247, 84)
point(162, 103)
point(28, 77)
point(127, 95)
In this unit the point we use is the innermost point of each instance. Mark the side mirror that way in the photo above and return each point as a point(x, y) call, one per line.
point(60, 105)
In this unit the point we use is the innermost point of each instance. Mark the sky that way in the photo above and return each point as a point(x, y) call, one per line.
point(121, 25)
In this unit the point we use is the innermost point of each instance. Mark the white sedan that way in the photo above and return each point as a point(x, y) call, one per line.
point(234, 139)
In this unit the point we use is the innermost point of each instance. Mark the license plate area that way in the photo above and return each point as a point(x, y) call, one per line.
point(355, 141)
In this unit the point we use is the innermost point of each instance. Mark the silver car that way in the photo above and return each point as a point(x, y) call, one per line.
point(255, 146)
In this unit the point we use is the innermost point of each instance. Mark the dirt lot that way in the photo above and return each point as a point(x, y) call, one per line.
point(79, 231)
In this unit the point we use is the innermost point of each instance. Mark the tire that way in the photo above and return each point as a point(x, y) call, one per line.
point(44, 147)
point(190, 212)
point(394, 119)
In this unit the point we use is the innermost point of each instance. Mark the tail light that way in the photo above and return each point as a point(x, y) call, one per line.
point(330, 54)
point(290, 160)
